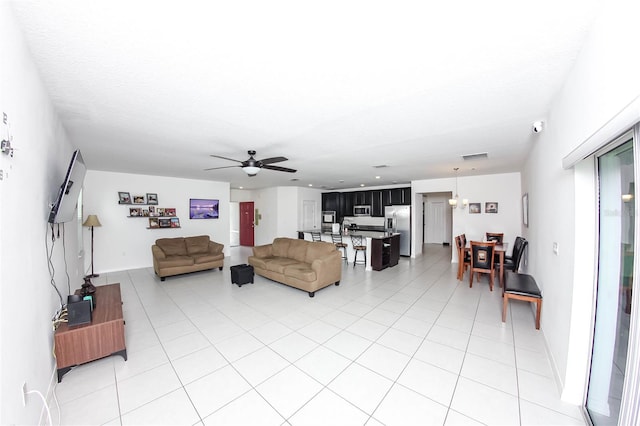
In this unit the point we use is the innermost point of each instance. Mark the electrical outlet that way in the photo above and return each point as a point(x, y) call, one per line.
point(24, 394)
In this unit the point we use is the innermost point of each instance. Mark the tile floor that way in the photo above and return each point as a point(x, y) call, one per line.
point(407, 345)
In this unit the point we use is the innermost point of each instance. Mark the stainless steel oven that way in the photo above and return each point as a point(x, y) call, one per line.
point(328, 219)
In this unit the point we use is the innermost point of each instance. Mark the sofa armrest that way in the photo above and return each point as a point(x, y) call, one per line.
point(263, 251)
point(328, 268)
point(157, 252)
point(215, 248)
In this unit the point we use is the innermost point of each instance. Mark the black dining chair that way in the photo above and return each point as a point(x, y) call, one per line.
point(512, 263)
point(482, 261)
point(495, 236)
point(315, 236)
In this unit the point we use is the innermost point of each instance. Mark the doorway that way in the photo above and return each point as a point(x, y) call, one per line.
point(616, 254)
point(247, 224)
point(437, 219)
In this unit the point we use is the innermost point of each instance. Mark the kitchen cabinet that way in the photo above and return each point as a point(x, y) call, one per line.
point(385, 252)
point(396, 196)
point(377, 208)
point(406, 196)
point(331, 201)
point(362, 198)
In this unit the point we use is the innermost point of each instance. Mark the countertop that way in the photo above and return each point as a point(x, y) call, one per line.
point(369, 234)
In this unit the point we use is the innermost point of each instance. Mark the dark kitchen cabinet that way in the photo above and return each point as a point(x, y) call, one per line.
point(385, 252)
point(406, 196)
point(377, 207)
point(349, 202)
point(396, 196)
point(362, 198)
point(331, 201)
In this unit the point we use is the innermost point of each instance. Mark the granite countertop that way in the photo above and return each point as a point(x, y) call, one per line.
point(364, 233)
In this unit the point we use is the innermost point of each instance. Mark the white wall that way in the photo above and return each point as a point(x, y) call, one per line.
point(30, 182)
point(123, 242)
point(504, 188)
point(603, 80)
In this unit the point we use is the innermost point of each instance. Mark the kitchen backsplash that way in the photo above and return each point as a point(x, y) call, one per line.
point(365, 220)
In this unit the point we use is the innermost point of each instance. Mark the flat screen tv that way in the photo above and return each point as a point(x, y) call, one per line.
point(64, 208)
point(203, 209)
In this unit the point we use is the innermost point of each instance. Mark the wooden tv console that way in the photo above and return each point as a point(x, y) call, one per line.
point(103, 337)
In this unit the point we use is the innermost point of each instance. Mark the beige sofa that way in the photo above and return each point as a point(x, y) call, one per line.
point(302, 264)
point(174, 256)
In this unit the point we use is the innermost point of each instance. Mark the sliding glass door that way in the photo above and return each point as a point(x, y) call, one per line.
point(617, 200)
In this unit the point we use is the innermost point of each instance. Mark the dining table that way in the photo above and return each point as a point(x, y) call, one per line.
point(500, 250)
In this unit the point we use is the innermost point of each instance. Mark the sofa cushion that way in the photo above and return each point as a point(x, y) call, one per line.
point(298, 250)
point(197, 245)
point(317, 250)
point(278, 264)
point(206, 258)
point(280, 247)
point(172, 246)
point(175, 261)
point(301, 271)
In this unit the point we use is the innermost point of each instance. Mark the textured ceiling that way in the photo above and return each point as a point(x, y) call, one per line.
point(337, 87)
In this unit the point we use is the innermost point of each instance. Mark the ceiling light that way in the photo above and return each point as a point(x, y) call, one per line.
point(453, 202)
point(251, 170)
point(362, 184)
point(377, 177)
point(310, 184)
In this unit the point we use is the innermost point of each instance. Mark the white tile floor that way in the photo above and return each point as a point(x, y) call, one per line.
point(407, 345)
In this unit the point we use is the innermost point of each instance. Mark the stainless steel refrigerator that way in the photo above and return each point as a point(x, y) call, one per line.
point(398, 219)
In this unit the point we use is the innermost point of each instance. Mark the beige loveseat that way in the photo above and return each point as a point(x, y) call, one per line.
point(302, 264)
point(173, 256)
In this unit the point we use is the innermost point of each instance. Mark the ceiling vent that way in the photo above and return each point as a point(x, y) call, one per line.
point(380, 166)
point(478, 156)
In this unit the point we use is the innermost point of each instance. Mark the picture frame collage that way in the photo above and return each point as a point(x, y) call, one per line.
point(490, 207)
point(149, 198)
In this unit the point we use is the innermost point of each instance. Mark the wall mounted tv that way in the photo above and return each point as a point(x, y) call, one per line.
point(64, 208)
point(203, 209)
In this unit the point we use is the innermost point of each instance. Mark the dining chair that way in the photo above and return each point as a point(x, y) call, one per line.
point(512, 263)
point(495, 236)
point(315, 236)
point(464, 258)
point(337, 241)
point(359, 245)
point(482, 261)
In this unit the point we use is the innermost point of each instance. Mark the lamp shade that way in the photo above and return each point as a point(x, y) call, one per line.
point(92, 220)
point(251, 170)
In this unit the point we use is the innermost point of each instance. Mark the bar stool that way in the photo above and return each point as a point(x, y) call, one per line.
point(315, 236)
point(358, 244)
point(337, 241)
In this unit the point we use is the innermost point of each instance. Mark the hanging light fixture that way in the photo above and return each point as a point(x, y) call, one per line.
point(453, 202)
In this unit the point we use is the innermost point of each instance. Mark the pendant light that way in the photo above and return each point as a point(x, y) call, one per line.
point(453, 202)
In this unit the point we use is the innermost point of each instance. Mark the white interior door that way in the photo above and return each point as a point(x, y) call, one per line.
point(435, 220)
point(309, 216)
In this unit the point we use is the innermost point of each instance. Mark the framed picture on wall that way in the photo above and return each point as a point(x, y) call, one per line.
point(152, 198)
point(124, 198)
point(474, 208)
point(138, 199)
point(525, 210)
point(491, 207)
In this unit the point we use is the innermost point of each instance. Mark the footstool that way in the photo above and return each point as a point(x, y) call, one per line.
point(242, 274)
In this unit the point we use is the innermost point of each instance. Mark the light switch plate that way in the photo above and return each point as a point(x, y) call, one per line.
point(555, 248)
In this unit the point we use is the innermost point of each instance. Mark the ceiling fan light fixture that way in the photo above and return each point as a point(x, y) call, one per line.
point(251, 170)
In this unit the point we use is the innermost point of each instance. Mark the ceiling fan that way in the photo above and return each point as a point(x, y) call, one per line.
point(253, 166)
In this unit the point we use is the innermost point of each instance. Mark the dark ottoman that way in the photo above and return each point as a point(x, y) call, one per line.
point(242, 274)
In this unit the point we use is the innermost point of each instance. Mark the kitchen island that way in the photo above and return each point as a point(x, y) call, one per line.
point(383, 248)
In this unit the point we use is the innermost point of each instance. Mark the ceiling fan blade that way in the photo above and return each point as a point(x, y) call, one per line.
point(224, 167)
point(279, 169)
point(224, 158)
point(273, 160)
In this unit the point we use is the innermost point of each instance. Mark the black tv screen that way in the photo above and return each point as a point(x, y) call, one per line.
point(200, 208)
point(64, 208)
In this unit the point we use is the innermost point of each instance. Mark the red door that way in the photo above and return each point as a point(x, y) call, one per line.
point(246, 224)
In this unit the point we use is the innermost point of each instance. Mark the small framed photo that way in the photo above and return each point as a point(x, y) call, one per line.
point(169, 211)
point(138, 199)
point(159, 211)
point(152, 198)
point(474, 208)
point(164, 223)
point(152, 211)
point(124, 198)
point(145, 212)
point(175, 222)
point(491, 207)
point(135, 211)
point(153, 222)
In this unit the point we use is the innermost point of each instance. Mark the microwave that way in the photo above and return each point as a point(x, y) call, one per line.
point(362, 210)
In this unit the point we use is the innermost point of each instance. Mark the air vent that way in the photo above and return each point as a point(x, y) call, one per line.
point(381, 166)
point(295, 180)
point(478, 156)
